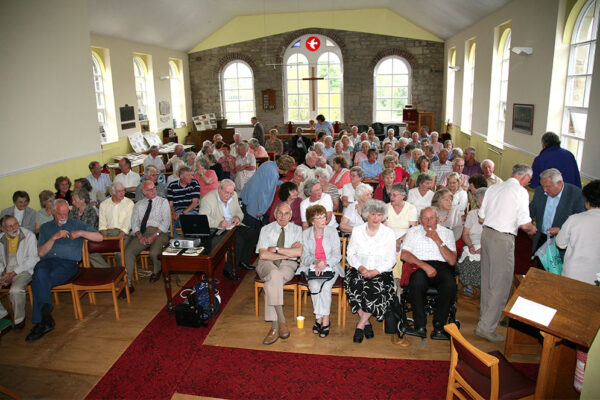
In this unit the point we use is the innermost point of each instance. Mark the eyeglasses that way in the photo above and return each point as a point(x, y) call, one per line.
point(320, 217)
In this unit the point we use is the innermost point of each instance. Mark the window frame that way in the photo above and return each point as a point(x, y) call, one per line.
point(98, 76)
point(178, 112)
point(224, 90)
point(468, 86)
point(141, 87)
point(392, 98)
point(450, 85)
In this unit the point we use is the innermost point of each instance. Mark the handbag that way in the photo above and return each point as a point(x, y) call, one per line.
point(324, 277)
point(549, 256)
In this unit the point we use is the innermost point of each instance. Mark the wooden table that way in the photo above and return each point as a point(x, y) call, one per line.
point(198, 137)
point(576, 322)
point(215, 250)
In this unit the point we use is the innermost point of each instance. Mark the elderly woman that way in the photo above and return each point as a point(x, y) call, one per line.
point(371, 255)
point(257, 149)
point(82, 210)
point(423, 168)
point(362, 155)
point(273, 144)
point(353, 213)
point(401, 214)
point(314, 195)
point(227, 162)
point(190, 159)
point(97, 196)
point(400, 174)
point(357, 174)
point(448, 215)
point(448, 145)
point(388, 176)
point(323, 175)
point(298, 179)
point(320, 253)
point(421, 195)
point(374, 140)
point(206, 177)
point(45, 213)
point(245, 166)
point(328, 150)
point(412, 166)
point(469, 265)
point(437, 145)
point(319, 148)
point(459, 199)
point(406, 157)
point(63, 188)
point(347, 147)
point(341, 174)
point(288, 193)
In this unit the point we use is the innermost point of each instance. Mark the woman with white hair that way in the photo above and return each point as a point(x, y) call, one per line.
point(323, 176)
point(362, 155)
point(314, 195)
point(437, 145)
point(319, 148)
point(353, 213)
point(469, 265)
point(245, 166)
point(257, 149)
point(371, 256)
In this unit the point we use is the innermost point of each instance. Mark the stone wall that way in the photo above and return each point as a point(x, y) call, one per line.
point(361, 52)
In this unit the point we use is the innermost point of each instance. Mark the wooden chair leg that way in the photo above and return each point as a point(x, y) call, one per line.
point(30, 294)
point(339, 317)
point(9, 393)
point(344, 306)
point(256, 288)
point(114, 296)
point(300, 301)
point(296, 303)
point(56, 298)
point(77, 304)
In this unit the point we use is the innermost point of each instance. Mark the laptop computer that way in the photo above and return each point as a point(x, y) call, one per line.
point(196, 226)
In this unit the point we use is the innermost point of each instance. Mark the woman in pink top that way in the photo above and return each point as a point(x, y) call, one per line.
point(257, 149)
point(341, 174)
point(206, 177)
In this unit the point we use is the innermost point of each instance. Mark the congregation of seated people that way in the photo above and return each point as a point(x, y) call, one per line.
point(406, 205)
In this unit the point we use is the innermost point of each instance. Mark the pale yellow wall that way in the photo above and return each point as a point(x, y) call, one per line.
point(381, 21)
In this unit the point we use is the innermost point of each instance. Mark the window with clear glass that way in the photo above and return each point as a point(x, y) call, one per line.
point(504, 66)
point(238, 92)
point(468, 86)
point(579, 79)
point(314, 78)
point(391, 78)
point(451, 77)
point(177, 97)
point(100, 99)
point(139, 72)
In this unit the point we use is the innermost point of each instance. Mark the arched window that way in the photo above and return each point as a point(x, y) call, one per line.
point(100, 99)
point(392, 77)
point(579, 78)
point(314, 79)
point(468, 85)
point(177, 97)
point(499, 85)
point(238, 92)
point(140, 74)
point(451, 77)
point(505, 60)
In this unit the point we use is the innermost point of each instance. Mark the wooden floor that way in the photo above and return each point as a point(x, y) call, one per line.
point(68, 362)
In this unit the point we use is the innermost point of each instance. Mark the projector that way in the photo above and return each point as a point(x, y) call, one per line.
point(185, 243)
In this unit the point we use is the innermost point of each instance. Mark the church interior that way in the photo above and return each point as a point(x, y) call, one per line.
point(76, 65)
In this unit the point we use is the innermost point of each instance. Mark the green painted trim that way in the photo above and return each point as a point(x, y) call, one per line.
point(571, 20)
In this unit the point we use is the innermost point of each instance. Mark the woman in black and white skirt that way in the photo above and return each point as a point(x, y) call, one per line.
point(371, 255)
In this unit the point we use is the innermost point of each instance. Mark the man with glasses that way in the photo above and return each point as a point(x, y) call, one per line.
point(155, 159)
point(151, 174)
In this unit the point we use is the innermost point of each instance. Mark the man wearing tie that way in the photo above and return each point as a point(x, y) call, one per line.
point(150, 224)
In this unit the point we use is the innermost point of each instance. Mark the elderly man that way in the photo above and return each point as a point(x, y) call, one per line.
point(237, 139)
point(183, 195)
point(299, 145)
point(415, 140)
point(18, 256)
point(179, 155)
point(371, 167)
point(309, 165)
point(59, 249)
point(357, 174)
point(127, 177)
point(114, 217)
point(258, 132)
point(354, 136)
point(151, 174)
point(472, 166)
point(217, 138)
point(245, 166)
point(223, 211)
point(504, 210)
point(487, 166)
point(458, 166)
point(553, 202)
point(150, 223)
point(21, 210)
point(391, 139)
point(431, 248)
point(154, 158)
point(279, 246)
point(99, 180)
point(554, 156)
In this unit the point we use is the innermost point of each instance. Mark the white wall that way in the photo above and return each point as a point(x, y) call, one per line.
point(46, 86)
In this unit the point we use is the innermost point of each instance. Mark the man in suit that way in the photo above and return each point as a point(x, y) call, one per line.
point(553, 202)
point(259, 131)
point(24, 214)
point(223, 211)
point(554, 156)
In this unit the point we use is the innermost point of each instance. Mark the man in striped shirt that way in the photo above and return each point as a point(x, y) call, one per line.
point(183, 195)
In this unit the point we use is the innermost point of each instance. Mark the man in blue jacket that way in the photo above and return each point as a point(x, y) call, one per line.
point(553, 156)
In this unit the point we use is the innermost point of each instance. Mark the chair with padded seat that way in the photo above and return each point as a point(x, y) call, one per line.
point(5, 291)
point(483, 375)
point(67, 287)
point(337, 289)
point(97, 280)
point(291, 285)
point(380, 131)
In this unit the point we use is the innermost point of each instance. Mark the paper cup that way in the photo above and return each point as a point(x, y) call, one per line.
point(300, 322)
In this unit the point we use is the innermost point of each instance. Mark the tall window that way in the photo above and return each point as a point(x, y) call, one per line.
point(177, 97)
point(314, 78)
point(392, 77)
point(499, 84)
point(505, 60)
point(579, 78)
point(468, 85)
point(140, 73)
point(238, 92)
point(100, 99)
point(451, 77)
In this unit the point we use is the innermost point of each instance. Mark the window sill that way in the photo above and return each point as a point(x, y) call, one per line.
point(497, 145)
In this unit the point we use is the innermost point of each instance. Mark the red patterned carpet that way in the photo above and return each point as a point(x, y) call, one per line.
point(166, 358)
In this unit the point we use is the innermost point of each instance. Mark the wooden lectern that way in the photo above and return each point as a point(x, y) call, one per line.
point(576, 322)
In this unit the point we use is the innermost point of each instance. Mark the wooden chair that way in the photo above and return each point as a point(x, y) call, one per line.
point(5, 291)
point(483, 375)
point(67, 288)
point(291, 285)
point(144, 256)
point(94, 280)
point(337, 289)
point(9, 393)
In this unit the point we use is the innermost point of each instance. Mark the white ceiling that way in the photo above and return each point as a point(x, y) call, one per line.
point(181, 24)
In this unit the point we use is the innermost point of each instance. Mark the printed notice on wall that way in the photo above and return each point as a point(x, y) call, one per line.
point(533, 311)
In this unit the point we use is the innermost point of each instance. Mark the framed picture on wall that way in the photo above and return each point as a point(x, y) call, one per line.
point(523, 118)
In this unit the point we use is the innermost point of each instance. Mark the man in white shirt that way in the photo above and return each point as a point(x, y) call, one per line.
point(179, 155)
point(114, 217)
point(154, 158)
point(487, 166)
point(391, 139)
point(432, 249)
point(505, 209)
point(127, 177)
point(279, 246)
point(99, 181)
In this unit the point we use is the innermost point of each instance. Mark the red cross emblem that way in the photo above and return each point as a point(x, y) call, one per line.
point(313, 43)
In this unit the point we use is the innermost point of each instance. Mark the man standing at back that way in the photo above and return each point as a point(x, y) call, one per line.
point(553, 156)
point(259, 131)
point(504, 210)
